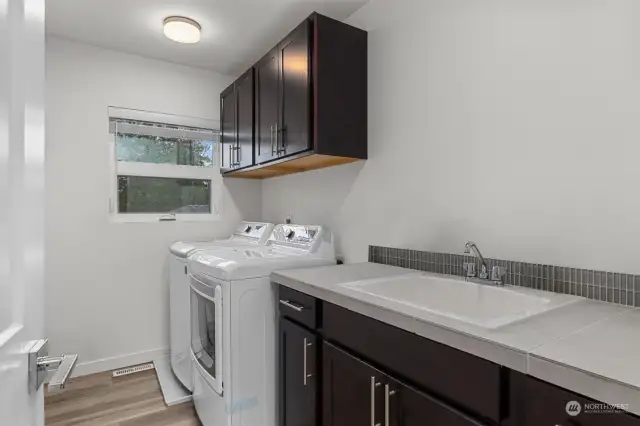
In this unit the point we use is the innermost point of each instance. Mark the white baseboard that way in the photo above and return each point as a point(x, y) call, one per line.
point(113, 363)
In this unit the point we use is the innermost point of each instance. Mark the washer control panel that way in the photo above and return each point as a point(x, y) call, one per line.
point(252, 229)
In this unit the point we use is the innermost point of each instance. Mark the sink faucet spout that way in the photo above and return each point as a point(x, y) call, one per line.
point(471, 247)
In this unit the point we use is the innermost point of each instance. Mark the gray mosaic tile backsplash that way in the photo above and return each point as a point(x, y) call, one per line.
point(623, 289)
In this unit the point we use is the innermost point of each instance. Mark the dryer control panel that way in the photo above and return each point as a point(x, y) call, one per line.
point(254, 230)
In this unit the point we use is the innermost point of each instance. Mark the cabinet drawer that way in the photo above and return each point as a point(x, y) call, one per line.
point(470, 383)
point(298, 306)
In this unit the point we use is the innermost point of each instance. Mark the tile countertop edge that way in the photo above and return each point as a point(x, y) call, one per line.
point(591, 385)
point(486, 349)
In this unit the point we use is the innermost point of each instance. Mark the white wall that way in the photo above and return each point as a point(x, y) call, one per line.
point(510, 123)
point(105, 291)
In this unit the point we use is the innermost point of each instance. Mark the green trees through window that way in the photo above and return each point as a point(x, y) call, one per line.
point(144, 182)
point(163, 150)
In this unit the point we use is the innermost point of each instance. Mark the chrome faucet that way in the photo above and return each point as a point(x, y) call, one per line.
point(470, 247)
point(497, 272)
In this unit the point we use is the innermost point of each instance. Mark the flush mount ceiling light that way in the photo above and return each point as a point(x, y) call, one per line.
point(181, 29)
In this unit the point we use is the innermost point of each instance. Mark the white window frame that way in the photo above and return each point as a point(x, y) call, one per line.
point(129, 168)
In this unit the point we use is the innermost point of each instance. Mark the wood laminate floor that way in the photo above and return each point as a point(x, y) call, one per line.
point(101, 400)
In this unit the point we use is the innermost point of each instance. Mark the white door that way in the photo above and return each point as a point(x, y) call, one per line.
point(21, 205)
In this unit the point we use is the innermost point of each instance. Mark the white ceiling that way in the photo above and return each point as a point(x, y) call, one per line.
point(235, 33)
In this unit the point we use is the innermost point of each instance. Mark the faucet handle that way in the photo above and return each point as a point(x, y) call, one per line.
point(470, 269)
point(498, 273)
point(484, 274)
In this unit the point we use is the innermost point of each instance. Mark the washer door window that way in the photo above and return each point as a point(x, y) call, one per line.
point(206, 330)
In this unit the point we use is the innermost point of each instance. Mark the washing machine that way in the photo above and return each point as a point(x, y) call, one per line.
point(247, 234)
point(233, 323)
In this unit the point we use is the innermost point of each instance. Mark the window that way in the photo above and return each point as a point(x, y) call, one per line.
point(163, 170)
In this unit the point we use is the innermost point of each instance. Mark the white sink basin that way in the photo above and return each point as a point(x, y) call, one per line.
point(482, 305)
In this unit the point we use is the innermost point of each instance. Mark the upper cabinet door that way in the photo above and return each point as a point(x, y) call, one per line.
point(244, 121)
point(228, 134)
point(266, 107)
point(294, 134)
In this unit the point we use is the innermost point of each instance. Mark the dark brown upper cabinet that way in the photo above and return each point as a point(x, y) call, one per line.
point(310, 102)
point(237, 123)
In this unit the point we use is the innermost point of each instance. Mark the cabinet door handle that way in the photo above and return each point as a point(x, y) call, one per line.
point(271, 138)
point(306, 375)
point(292, 306)
point(234, 156)
point(277, 151)
point(387, 394)
point(281, 148)
point(374, 385)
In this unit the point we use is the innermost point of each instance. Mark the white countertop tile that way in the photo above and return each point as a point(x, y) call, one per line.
point(609, 348)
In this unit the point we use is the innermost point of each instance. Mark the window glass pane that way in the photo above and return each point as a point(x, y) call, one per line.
point(138, 194)
point(163, 150)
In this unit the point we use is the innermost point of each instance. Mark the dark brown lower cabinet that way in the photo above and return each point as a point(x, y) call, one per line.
point(298, 375)
point(355, 393)
point(423, 383)
point(537, 403)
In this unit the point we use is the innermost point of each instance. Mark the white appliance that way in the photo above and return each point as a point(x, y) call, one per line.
point(233, 323)
point(247, 234)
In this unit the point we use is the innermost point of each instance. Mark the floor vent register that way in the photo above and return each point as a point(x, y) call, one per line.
point(133, 370)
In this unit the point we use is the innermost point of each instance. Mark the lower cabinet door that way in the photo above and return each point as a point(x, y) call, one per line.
point(352, 390)
point(298, 381)
point(355, 393)
point(405, 406)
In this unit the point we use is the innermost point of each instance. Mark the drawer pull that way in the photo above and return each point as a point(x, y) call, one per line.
point(288, 304)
